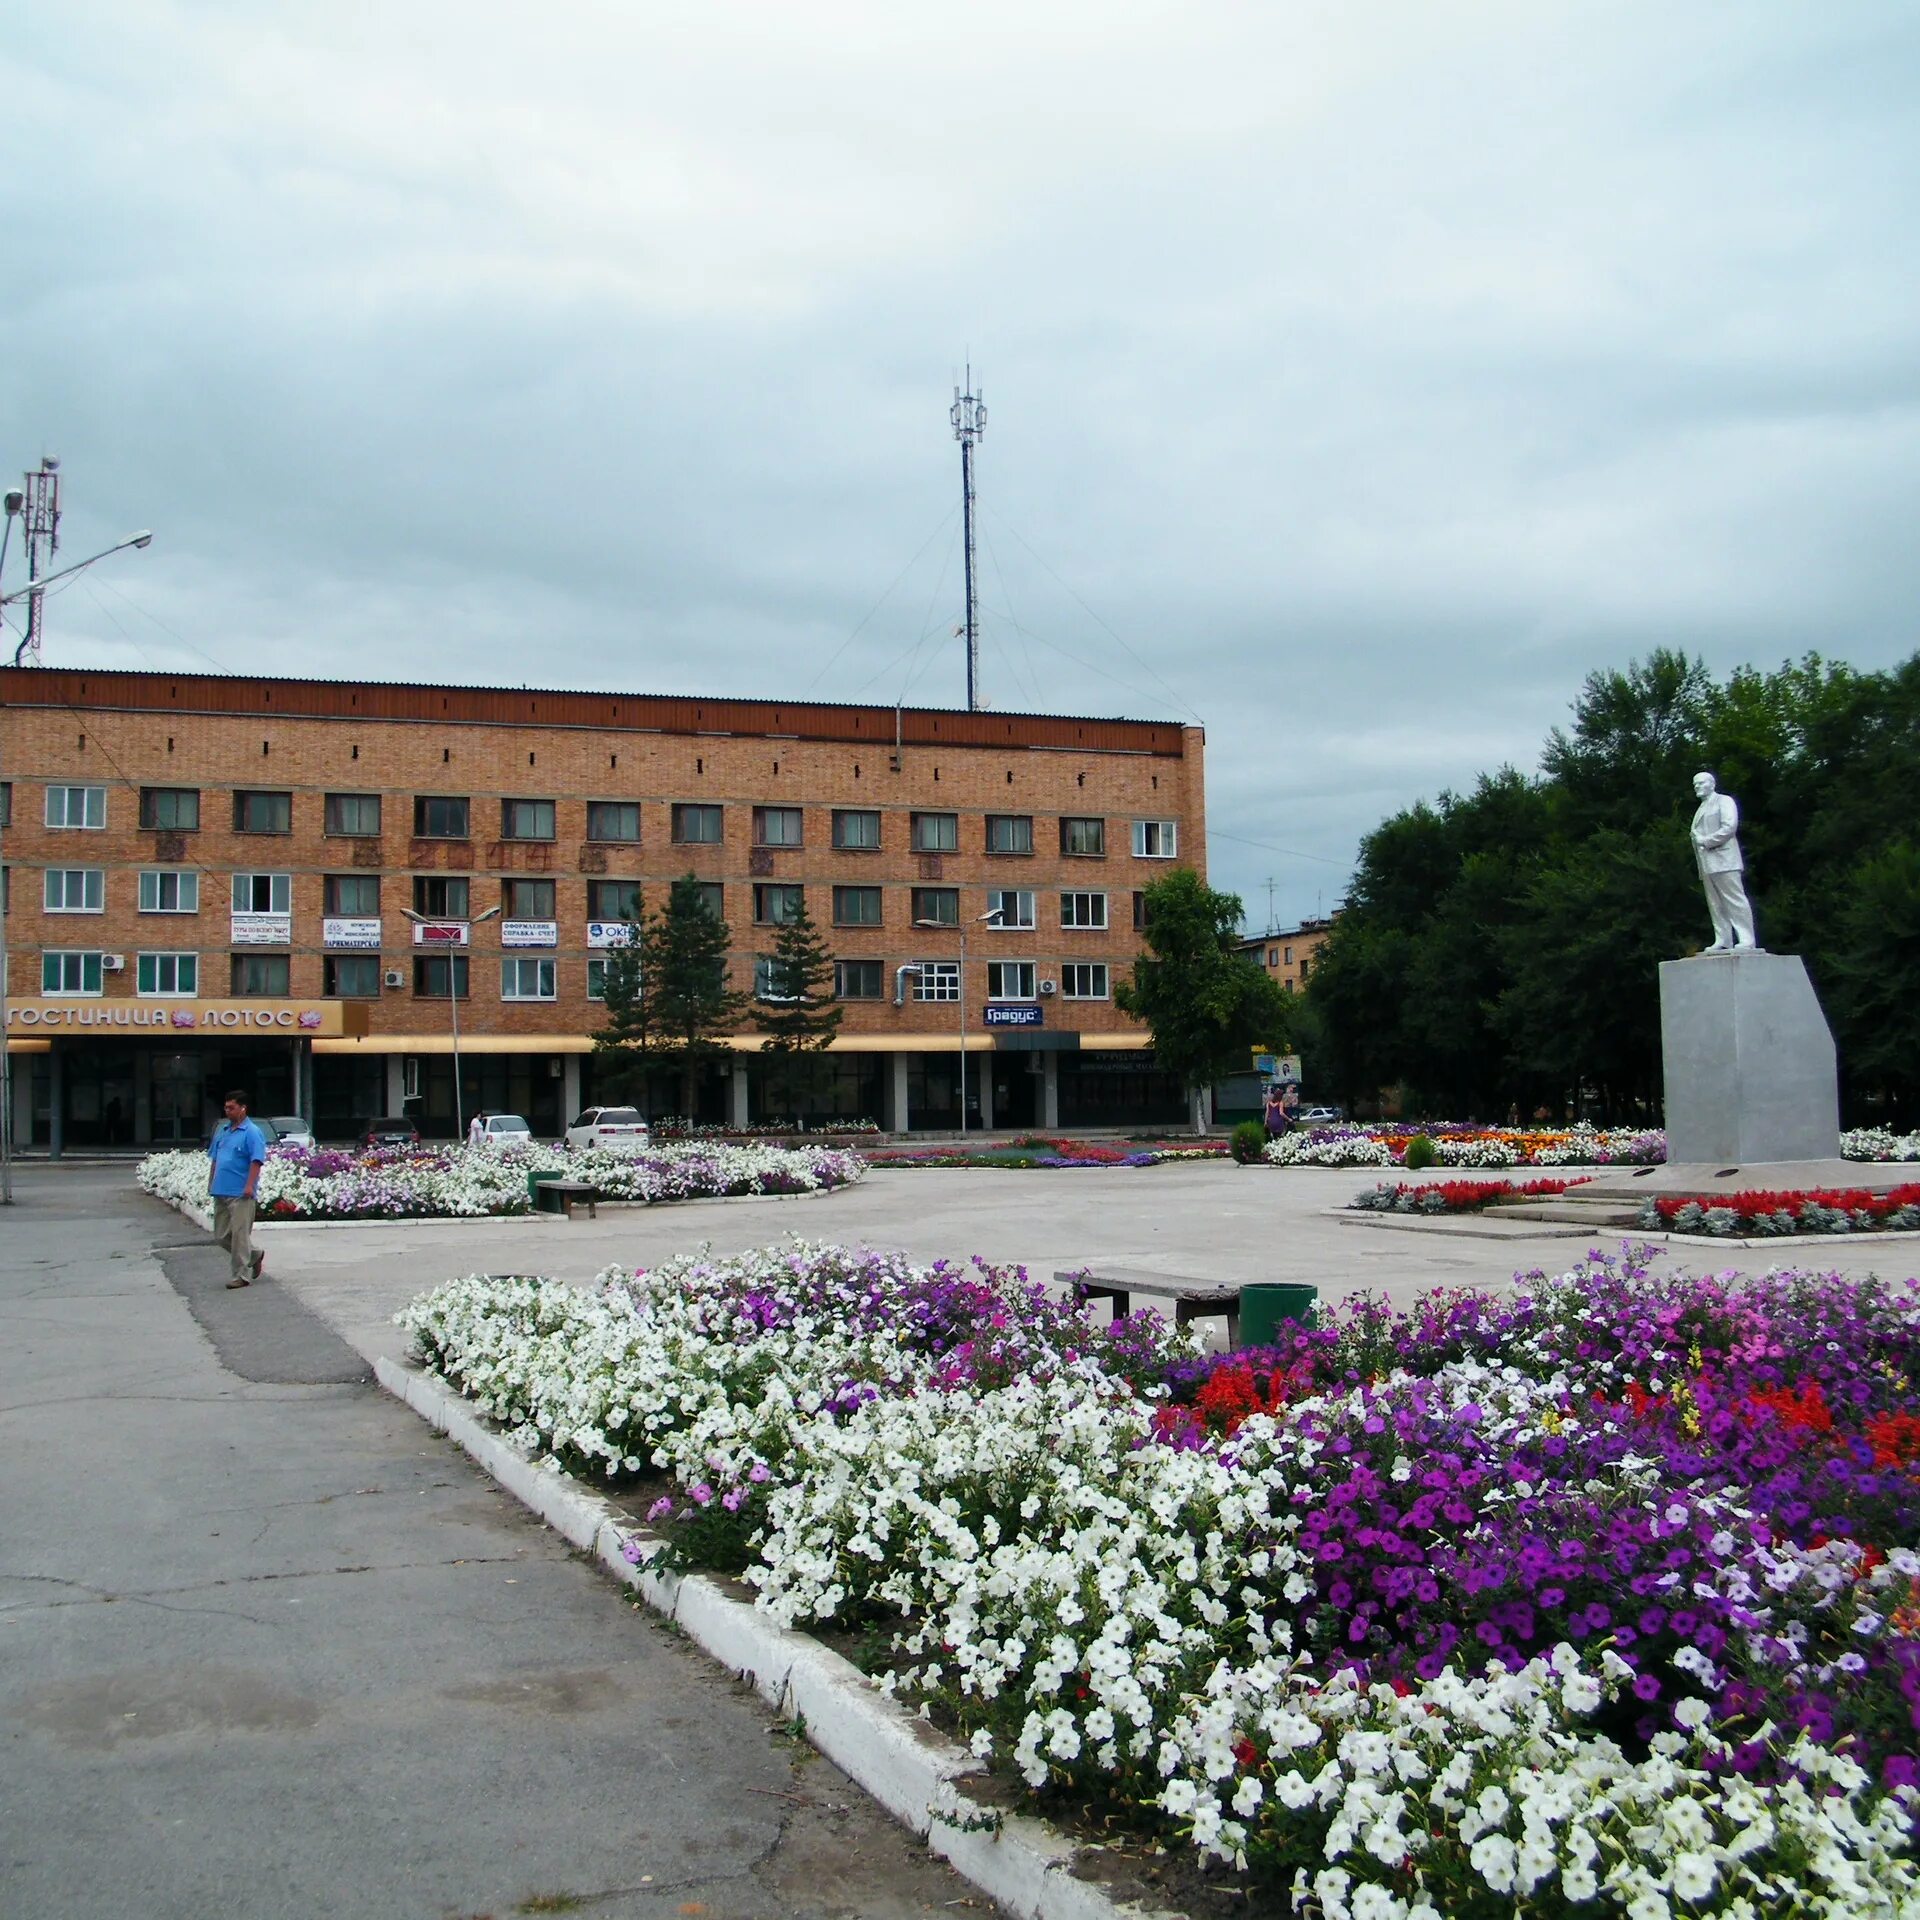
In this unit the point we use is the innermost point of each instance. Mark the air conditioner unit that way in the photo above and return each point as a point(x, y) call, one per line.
point(395, 978)
point(113, 963)
point(1047, 989)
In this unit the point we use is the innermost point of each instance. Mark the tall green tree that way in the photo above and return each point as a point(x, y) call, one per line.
point(1207, 1004)
point(797, 1012)
point(629, 1045)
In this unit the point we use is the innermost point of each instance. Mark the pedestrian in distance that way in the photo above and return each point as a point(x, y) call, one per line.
point(238, 1151)
point(1279, 1119)
point(476, 1130)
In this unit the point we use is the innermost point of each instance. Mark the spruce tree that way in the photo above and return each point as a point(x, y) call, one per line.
point(798, 1013)
point(630, 1043)
point(693, 1003)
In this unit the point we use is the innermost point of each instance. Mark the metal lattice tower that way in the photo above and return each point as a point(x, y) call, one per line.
point(40, 525)
point(969, 418)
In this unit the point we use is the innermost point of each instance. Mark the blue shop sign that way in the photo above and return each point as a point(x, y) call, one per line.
point(1016, 1016)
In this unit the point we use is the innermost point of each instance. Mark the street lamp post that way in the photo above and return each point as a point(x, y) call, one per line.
point(992, 918)
point(453, 996)
point(15, 499)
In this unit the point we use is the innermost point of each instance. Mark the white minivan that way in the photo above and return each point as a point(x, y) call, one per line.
point(622, 1128)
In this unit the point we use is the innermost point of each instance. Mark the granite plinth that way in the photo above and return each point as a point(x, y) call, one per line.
point(1749, 1061)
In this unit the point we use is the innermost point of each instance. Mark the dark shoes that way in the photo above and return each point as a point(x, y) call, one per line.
point(259, 1261)
point(237, 1283)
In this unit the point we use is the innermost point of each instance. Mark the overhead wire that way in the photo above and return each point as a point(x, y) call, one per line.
point(881, 602)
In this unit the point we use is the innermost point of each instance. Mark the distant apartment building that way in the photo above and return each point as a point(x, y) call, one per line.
point(1287, 952)
point(286, 884)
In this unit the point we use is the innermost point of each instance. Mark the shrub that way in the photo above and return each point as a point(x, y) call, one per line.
point(1249, 1143)
point(1421, 1153)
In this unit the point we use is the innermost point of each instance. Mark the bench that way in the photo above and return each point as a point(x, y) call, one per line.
point(1192, 1299)
point(571, 1194)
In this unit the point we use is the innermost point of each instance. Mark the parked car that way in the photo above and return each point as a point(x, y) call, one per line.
point(269, 1130)
point(396, 1130)
point(504, 1129)
point(622, 1128)
point(293, 1131)
point(1317, 1117)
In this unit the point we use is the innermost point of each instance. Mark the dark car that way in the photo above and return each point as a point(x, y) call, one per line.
point(394, 1131)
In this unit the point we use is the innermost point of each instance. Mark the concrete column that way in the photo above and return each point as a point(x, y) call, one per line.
point(142, 1097)
point(896, 1119)
point(56, 1102)
point(396, 1084)
point(737, 1095)
point(1050, 1091)
point(569, 1088)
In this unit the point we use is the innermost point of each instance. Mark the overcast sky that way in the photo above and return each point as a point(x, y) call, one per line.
point(1359, 377)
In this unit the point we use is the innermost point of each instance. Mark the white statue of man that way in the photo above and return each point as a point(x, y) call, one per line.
point(1717, 852)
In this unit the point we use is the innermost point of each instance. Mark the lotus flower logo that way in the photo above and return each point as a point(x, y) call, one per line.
point(310, 1019)
point(184, 1017)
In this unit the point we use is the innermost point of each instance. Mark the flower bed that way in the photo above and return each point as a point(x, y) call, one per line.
point(1386, 1146)
point(1818, 1210)
point(1879, 1143)
point(325, 1183)
point(1599, 1597)
point(1038, 1150)
point(1456, 1196)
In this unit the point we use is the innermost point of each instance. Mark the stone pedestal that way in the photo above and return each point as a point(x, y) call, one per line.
point(1749, 1061)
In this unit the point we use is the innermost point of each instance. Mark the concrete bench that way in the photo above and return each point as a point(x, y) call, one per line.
point(1192, 1299)
point(571, 1194)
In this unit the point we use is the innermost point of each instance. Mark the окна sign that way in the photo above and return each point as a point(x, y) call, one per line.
point(291, 1017)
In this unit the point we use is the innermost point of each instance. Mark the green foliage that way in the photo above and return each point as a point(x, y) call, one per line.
point(1421, 1153)
point(799, 1016)
point(1500, 948)
point(1207, 1004)
point(1248, 1142)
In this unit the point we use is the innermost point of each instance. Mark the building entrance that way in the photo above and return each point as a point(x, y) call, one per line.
point(177, 1100)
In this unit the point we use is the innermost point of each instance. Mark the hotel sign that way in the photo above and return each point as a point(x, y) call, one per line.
point(296, 1019)
point(360, 934)
point(529, 933)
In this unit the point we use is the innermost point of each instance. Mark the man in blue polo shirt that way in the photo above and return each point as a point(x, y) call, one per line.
point(238, 1152)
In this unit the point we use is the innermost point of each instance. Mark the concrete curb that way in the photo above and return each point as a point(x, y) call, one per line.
point(911, 1769)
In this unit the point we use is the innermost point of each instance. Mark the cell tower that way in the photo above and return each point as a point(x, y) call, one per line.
point(40, 524)
point(969, 418)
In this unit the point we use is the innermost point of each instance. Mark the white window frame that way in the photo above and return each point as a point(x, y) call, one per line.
point(512, 971)
point(92, 889)
point(1024, 975)
point(186, 890)
point(1166, 832)
point(279, 892)
point(80, 955)
point(942, 977)
point(1021, 919)
point(93, 802)
point(763, 965)
point(1097, 974)
point(1074, 925)
point(176, 991)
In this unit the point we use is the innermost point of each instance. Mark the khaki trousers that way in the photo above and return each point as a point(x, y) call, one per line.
point(233, 1229)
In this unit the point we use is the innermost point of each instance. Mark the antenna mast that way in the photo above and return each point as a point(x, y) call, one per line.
point(40, 524)
point(969, 418)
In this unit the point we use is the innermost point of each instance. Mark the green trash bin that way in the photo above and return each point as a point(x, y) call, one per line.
point(533, 1186)
point(1266, 1310)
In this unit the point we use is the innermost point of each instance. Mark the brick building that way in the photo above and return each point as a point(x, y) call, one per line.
point(1287, 952)
point(208, 880)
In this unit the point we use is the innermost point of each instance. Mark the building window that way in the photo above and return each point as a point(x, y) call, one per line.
point(6, 803)
point(613, 899)
point(1155, 839)
point(1289, 956)
point(77, 807)
point(356, 815)
point(1084, 980)
point(167, 976)
point(596, 979)
point(696, 826)
point(352, 976)
point(170, 809)
point(1010, 980)
point(614, 820)
point(777, 906)
point(432, 973)
point(527, 980)
point(1014, 905)
point(1273, 956)
point(1085, 839)
point(1084, 911)
point(856, 830)
point(527, 899)
point(1009, 833)
point(263, 813)
point(442, 896)
point(436, 817)
point(75, 889)
point(777, 826)
point(351, 896)
point(938, 905)
point(766, 981)
point(260, 975)
point(857, 980)
point(713, 896)
point(937, 980)
point(856, 906)
point(936, 833)
point(1139, 913)
point(526, 820)
point(163, 891)
point(70, 973)
point(263, 893)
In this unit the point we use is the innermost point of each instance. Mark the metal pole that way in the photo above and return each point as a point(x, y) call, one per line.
point(453, 1003)
point(963, 1029)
